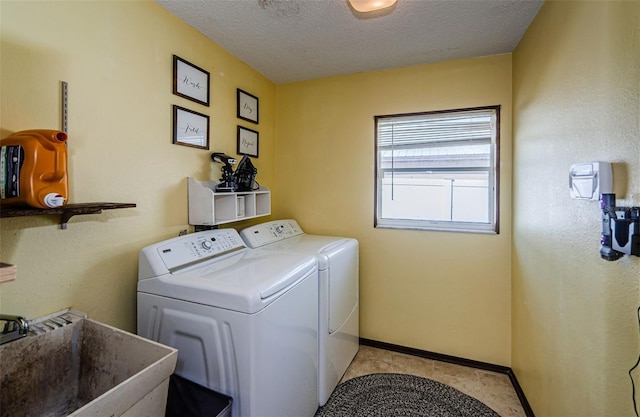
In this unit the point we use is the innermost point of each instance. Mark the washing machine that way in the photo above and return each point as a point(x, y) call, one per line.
point(244, 321)
point(338, 329)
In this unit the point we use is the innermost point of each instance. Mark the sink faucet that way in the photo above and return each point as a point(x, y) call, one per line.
point(15, 327)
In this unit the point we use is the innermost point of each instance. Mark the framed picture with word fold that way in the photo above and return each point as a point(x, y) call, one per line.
point(190, 128)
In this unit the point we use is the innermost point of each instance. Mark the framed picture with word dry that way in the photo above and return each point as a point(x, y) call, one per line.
point(190, 128)
point(247, 106)
point(190, 81)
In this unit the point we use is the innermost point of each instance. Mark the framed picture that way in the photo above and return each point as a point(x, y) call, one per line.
point(247, 106)
point(190, 81)
point(190, 128)
point(247, 141)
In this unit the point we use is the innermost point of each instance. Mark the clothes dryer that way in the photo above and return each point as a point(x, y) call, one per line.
point(338, 329)
point(244, 321)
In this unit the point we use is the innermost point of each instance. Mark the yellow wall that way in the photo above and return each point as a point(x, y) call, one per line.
point(117, 58)
point(442, 292)
point(576, 89)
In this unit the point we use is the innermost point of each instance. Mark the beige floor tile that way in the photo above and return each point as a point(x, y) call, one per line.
point(469, 386)
point(498, 387)
point(493, 389)
point(507, 410)
point(381, 355)
point(494, 378)
point(413, 365)
point(455, 370)
point(368, 362)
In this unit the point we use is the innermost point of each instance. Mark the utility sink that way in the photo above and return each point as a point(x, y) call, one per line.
point(70, 365)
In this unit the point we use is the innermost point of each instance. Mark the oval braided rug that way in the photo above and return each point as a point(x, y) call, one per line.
point(390, 395)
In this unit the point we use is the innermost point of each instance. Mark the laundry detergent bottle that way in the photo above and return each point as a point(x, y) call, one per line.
point(33, 169)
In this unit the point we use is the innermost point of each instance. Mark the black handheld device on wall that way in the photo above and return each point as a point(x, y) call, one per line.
point(620, 229)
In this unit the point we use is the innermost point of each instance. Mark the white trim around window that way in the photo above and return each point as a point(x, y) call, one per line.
point(438, 170)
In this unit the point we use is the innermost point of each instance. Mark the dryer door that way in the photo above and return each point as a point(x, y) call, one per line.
point(343, 282)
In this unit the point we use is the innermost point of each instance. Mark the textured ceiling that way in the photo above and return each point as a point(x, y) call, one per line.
point(296, 40)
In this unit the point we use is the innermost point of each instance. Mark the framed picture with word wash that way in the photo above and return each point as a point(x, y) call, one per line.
point(190, 81)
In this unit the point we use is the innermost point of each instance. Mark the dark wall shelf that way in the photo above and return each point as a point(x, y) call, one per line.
point(66, 212)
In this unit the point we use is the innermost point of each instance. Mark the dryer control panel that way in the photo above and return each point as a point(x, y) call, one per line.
point(270, 232)
point(191, 249)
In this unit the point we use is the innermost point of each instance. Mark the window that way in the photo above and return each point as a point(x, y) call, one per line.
point(438, 170)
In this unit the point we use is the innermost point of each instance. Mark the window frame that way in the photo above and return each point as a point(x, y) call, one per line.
point(493, 227)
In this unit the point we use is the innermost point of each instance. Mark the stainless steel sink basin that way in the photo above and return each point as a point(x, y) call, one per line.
point(76, 366)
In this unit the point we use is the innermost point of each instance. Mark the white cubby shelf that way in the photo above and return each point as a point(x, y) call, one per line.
point(208, 207)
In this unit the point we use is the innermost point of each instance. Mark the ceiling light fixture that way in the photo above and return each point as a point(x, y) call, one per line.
point(364, 6)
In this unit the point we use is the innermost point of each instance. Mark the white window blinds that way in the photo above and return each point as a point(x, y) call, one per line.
point(474, 126)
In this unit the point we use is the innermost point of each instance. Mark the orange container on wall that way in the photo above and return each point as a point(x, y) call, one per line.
point(33, 169)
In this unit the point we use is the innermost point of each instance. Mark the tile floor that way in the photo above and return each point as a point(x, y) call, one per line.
point(493, 389)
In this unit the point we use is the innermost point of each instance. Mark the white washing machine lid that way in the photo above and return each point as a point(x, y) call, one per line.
point(238, 279)
point(246, 282)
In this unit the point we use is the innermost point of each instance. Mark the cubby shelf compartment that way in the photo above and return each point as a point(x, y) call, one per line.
point(67, 211)
point(207, 207)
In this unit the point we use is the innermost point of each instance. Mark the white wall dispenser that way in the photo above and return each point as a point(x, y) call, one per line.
point(588, 181)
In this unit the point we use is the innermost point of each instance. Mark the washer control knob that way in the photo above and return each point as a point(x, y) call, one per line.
point(206, 245)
